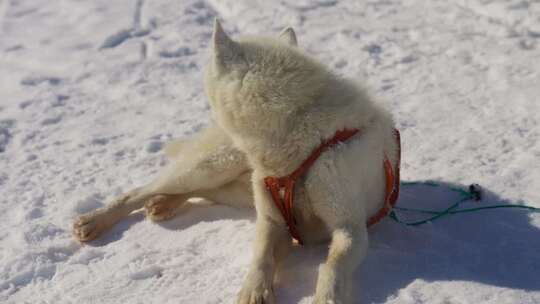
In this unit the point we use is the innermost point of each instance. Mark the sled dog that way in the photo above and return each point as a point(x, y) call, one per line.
point(273, 106)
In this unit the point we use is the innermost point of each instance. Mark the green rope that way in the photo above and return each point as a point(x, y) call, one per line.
point(472, 194)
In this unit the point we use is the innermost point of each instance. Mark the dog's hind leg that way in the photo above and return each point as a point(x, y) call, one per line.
point(91, 225)
point(237, 193)
point(159, 206)
point(202, 168)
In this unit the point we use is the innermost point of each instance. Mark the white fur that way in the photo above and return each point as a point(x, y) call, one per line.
point(273, 106)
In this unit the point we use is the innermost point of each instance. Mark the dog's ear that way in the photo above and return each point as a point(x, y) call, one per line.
point(226, 51)
point(289, 36)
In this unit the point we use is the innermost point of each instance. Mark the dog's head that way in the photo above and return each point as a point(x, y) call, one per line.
point(260, 77)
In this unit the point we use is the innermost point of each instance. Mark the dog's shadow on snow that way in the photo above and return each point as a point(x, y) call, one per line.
point(497, 247)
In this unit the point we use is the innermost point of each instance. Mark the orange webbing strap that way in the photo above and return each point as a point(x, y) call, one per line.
point(287, 183)
point(392, 185)
point(276, 184)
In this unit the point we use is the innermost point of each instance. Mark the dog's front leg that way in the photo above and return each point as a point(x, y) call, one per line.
point(347, 249)
point(270, 238)
point(272, 242)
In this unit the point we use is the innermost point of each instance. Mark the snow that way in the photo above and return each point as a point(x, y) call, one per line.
point(91, 90)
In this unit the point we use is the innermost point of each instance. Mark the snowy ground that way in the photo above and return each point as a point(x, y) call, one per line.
point(90, 90)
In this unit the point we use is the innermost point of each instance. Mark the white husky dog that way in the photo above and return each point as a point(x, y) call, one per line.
point(274, 106)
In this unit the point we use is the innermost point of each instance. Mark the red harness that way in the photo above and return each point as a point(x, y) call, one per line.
point(287, 183)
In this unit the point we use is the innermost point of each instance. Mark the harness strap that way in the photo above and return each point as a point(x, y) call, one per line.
point(285, 184)
point(392, 185)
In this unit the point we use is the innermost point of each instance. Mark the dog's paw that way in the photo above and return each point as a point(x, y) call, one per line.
point(332, 287)
point(88, 227)
point(324, 297)
point(262, 296)
point(256, 290)
point(329, 297)
point(325, 300)
point(162, 207)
